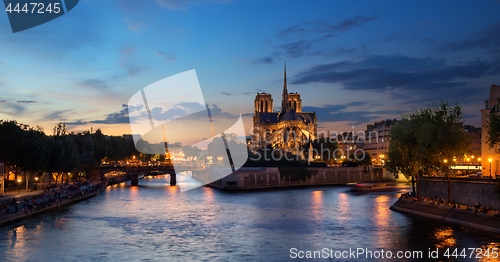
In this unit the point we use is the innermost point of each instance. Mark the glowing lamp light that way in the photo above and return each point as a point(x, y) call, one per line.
point(490, 160)
point(445, 160)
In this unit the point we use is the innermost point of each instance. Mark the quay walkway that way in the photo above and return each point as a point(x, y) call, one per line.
point(15, 206)
point(476, 218)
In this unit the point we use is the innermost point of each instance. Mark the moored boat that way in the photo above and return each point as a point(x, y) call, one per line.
point(374, 187)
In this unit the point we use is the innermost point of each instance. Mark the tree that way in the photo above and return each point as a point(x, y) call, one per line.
point(493, 127)
point(191, 151)
point(102, 146)
point(427, 140)
point(326, 148)
point(363, 158)
point(23, 148)
point(217, 148)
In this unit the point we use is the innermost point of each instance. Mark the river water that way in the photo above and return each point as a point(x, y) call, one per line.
point(157, 222)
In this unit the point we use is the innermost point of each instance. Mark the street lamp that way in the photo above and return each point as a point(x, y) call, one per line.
point(490, 166)
point(19, 185)
point(468, 159)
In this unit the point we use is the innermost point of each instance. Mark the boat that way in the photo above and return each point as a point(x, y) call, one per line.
point(374, 187)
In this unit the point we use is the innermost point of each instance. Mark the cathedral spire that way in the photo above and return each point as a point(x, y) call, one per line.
point(284, 102)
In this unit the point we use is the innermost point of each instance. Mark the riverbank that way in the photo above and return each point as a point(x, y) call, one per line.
point(463, 216)
point(65, 200)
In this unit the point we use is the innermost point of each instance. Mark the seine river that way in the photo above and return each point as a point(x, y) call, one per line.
point(156, 222)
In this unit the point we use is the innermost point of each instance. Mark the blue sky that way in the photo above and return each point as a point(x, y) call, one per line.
point(354, 62)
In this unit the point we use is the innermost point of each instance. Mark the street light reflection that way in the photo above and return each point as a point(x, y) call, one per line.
point(317, 205)
point(444, 237)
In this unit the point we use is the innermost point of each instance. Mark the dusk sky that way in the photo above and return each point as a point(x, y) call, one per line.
point(355, 62)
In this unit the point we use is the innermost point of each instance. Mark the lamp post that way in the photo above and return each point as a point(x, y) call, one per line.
point(490, 166)
point(19, 186)
point(468, 167)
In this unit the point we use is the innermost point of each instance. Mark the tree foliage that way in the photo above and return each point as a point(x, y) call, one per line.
point(326, 148)
point(428, 140)
point(363, 158)
point(493, 127)
point(191, 151)
point(30, 150)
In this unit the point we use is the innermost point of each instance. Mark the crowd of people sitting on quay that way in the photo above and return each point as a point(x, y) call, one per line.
point(435, 201)
point(5, 207)
point(51, 195)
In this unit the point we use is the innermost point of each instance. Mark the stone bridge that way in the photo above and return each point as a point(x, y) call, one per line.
point(134, 171)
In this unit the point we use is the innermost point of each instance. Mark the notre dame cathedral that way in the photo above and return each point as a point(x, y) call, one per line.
point(289, 130)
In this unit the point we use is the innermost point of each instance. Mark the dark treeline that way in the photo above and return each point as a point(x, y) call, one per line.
point(29, 150)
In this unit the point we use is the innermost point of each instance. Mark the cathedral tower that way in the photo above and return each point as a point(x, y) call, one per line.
point(284, 101)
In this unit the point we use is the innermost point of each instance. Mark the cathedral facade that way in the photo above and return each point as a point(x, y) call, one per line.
point(289, 130)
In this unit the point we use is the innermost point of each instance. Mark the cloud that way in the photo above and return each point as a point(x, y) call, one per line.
point(127, 63)
point(56, 115)
point(11, 108)
point(135, 25)
point(410, 80)
point(167, 57)
point(487, 38)
point(25, 102)
point(297, 48)
point(94, 83)
point(225, 93)
point(183, 4)
point(309, 39)
point(120, 117)
point(185, 109)
point(339, 113)
point(395, 72)
point(265, 60)
point(325, 27)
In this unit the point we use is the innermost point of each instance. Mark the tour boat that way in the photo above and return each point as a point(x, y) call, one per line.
point(374, 187)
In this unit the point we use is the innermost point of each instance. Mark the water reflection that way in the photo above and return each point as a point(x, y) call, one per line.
point(317, 205)
point(444, 237)
point(155, 221)
point(343, 207)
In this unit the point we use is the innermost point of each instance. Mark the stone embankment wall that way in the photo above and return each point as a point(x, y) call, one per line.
point(464, 191)
point(479, 221)
point(258, 178)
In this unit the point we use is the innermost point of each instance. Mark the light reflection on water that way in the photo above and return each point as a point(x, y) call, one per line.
point(156, 222)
